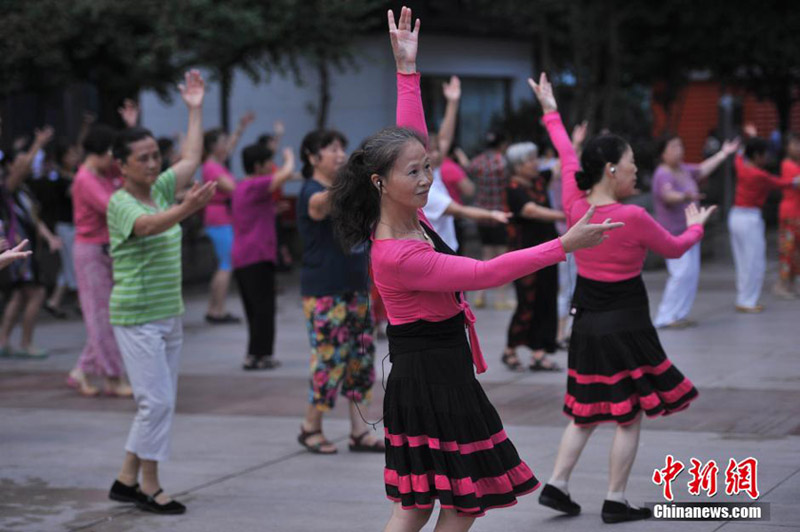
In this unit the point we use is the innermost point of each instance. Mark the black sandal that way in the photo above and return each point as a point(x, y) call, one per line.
point(315, 448)
point(511, 361)
point(148, 504)
point(357, 447)
point(537, 365)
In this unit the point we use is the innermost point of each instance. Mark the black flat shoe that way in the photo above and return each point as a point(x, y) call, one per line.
point(223, 320)
point(616, 512)
point(121, 493)
point(148, 504)
point(556, 499)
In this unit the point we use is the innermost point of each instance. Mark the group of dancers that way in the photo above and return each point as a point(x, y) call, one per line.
point(385, 212)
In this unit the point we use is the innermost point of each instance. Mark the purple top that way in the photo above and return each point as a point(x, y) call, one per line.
point(671, 217)
point(254, 238)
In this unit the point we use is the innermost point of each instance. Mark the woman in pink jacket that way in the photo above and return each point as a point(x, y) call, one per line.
point(444, 439)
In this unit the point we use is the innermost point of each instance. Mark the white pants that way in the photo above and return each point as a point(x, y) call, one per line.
point(746, 227)
point(151, 353)
point(681, 289)
point(567, 276)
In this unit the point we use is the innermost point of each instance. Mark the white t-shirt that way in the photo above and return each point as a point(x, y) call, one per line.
point(438, 201)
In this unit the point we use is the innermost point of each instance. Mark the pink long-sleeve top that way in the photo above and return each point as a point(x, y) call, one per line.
point(622, 255)
point(418, 283)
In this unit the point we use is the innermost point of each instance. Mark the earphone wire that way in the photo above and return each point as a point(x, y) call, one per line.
point(374, 424)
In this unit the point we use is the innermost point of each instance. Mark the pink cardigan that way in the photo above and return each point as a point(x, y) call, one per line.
point(622, 255)
point(418, 283)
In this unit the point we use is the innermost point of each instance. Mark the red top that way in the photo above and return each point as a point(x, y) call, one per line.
point(418, 283)
point(622, 255)
point(753, 184)
point(790, 204)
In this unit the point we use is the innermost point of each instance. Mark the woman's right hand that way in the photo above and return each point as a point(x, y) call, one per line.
point(586, 235)
point(404, 41)
point(10, 255)
point(695, 216)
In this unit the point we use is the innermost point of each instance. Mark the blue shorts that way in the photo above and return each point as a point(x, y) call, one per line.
point(222, 238)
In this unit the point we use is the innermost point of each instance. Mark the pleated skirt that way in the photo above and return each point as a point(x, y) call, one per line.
point(617, 366)
point(444, 439)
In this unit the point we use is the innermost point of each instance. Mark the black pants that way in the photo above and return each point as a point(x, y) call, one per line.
point(257, 289)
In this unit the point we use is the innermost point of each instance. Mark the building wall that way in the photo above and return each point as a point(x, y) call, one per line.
point(362, 99)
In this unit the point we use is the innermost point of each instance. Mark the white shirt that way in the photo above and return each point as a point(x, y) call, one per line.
point(438, 201)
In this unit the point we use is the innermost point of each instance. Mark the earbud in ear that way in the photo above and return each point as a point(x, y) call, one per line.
point(613, 169)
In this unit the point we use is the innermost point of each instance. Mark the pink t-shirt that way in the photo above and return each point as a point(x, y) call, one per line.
point(218, 210)
point(254, 238)
point(452, 175)
point(90, 196)
point(622, 255)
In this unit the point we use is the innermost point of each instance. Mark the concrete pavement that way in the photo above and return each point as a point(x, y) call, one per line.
point(237, 466)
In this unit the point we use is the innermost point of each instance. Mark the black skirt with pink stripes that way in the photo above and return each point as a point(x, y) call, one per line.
point(444, 439)
point(617, 366)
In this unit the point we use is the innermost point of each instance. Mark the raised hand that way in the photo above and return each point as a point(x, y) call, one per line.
point(695, 216)
point(452, 89)
point(544, 93)
point(729, 147)
point(129, 112)
point(199, 195)
point(750, 129)
point(278, 129)
point(248, 118)
point(193, 89)
point(43, 136)
point(586, 235)
point(579, 134)
point(404, 41)
point(13, 254)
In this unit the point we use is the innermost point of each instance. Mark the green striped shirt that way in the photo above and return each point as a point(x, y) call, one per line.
point(147, 269)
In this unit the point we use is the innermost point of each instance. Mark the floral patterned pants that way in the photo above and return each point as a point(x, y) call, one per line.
point(789, 248)
point(342, 349)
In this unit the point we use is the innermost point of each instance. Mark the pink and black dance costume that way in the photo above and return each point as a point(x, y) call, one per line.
point(617, 366)
point(444, 439)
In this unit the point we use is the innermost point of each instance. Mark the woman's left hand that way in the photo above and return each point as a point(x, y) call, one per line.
point(13, 254)
point(500, 216)
point(193, 90)
point(544, 93)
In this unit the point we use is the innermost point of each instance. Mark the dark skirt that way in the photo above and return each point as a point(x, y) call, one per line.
point(617, 366)
point(444, 439)
point(535, 320)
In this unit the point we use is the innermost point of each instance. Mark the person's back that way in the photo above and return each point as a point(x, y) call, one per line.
point(253, 217)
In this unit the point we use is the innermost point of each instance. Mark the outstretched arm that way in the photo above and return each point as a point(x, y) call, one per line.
point(729, 147)
point(192, 93)
point(285, 172)
point(561, 141)
point(236, 136)
point(21, 166)
point(404, 40)
point(421, 268)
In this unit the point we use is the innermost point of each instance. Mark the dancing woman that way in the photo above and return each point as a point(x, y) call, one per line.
point(146, 302)
point(444, 439)
point(675, 186)
point(617, 367)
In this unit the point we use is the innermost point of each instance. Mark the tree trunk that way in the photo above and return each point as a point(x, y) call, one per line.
point(225, 84)
point(324, 91)
point(612, 71)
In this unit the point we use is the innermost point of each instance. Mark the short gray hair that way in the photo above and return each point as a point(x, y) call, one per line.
point(519, 152)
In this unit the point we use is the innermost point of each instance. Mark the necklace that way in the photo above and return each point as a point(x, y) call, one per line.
point(418, 232)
